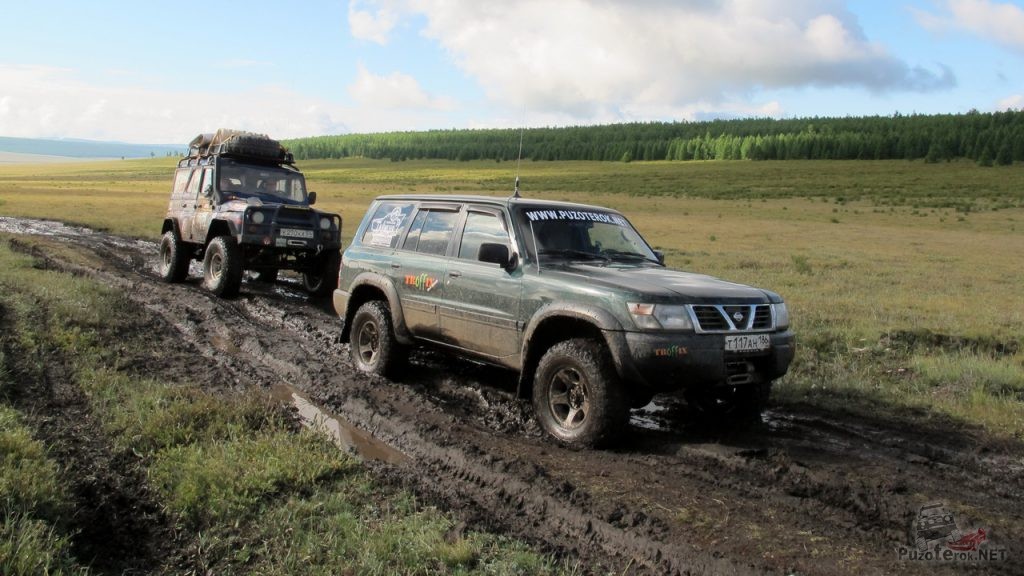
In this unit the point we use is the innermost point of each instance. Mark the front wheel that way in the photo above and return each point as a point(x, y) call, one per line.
point(222, 267)
point(372, 344)
point(323, 280)
point(577, 396)
point(174, 257)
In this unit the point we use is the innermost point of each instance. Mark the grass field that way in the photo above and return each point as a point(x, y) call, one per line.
point(903, 278)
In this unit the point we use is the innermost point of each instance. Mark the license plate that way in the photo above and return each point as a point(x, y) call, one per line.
point(747, 343)
point(296, 233)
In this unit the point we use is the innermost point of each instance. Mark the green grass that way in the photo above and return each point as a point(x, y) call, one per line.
point(257, 493)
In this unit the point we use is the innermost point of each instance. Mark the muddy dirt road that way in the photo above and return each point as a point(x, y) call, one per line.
point(806, 492)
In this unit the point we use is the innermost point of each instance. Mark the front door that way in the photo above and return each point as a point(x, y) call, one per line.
point(481, 308)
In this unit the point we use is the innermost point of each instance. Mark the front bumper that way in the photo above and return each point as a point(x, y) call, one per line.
point(666, 362)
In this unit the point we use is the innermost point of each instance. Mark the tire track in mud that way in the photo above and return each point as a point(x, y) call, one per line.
point(808, 491)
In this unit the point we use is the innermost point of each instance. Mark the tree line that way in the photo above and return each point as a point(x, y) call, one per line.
point(987, 138)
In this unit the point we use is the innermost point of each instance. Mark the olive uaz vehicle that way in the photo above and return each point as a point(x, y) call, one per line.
point(238, 203)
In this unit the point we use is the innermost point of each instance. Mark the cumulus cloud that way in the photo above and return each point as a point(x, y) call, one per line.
point(596, 59)
point(1015, 102)
point(374, 26)
point(1001, 22)
point(47, 102)
point(394, 90)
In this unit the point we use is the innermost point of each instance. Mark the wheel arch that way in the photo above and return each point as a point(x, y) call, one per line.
point(554, 324)
point(372, 286)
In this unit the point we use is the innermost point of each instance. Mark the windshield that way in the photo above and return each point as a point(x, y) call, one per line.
point(584, 235)
point(267, 183)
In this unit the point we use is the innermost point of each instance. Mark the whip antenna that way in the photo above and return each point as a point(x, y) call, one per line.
point(519, 158)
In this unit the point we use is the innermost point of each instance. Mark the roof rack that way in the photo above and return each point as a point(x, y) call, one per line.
point(239, 144)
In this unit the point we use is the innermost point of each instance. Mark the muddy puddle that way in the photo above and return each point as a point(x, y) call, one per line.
point(340, 431)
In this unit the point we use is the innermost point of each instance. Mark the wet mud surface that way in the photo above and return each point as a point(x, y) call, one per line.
point(806, 491)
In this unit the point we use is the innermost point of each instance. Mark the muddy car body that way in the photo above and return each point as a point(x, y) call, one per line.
point(238, 203)
point(568, 295)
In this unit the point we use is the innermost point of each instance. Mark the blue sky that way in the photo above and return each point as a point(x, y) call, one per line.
point(160, 72)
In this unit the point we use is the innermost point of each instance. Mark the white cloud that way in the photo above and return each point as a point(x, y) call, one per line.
point(612, 58)
point(1015, 102)
point(998, 21)
point(395, 90)
point(43, 102)
point(373, 26)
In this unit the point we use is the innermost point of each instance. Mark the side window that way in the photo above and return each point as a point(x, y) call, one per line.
point(386, 224)
point(481, 227)
point(181, 181)
point(432, 231)
point(193, 183)
point(207, 181)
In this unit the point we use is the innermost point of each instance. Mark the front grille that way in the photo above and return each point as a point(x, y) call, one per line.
point(732, 317)
point(294, 217)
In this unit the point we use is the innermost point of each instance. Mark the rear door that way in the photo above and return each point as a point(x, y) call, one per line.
point(418, 270)
point(481, 307)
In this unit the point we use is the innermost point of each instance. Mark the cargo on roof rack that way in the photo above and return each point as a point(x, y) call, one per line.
point(239, 144)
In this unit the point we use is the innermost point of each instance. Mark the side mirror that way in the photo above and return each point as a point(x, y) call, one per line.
point(660, 256)
point(312, 198)
point(495, 253)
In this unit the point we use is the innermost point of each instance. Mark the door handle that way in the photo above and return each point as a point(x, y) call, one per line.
point(396, 265)
point(454, 273)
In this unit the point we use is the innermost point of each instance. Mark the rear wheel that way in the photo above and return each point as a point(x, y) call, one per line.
point(222, 267)
point(323, 280)
point(174, 257)
point(577, 396)
point(372, 344)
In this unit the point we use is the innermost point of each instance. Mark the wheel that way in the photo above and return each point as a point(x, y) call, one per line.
point(324, 280)
point(174, 257)
point(267, 276)
point(743, 403)
point(222, 267)
point(577, 396)
point(372, 344)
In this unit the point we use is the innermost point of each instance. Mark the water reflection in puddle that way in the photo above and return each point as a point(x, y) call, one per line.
point(345, 435)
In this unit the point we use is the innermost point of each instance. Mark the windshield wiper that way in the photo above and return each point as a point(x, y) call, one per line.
point(616, 254)
point(574, 254)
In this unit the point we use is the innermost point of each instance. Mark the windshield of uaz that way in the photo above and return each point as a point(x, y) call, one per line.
point(267, 183)
point(583, 234)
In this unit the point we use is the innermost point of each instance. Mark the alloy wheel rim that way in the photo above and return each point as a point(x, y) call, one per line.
point(569, 398)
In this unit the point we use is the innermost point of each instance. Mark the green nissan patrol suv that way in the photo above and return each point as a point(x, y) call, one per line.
point(238, 203)
point(570, 296)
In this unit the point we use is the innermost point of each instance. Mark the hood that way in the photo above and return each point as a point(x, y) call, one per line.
point(660, 283)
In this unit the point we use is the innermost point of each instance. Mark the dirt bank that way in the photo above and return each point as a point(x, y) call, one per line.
point(807, 491)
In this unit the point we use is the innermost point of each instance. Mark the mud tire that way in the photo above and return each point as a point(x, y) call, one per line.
point(268, 276)
point(323, 281)
point(174, 258)
point(222, 267)
point(577, 396)
point(737, 404)
point(372, 344)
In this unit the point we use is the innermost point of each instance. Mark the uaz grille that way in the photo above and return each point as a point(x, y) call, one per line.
point(732, 317)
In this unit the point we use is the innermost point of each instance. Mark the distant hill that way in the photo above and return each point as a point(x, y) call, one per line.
point(86, 148)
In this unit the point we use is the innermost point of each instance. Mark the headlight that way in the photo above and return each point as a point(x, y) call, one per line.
point(325, 223)
point(258, 217)
point(781, 315)
point(660, 316)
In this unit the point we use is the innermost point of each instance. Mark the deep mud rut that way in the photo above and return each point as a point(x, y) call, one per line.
point(807, 491)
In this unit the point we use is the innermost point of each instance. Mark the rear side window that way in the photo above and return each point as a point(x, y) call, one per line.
point(432, 231)
point(181, 181)
point(386, 224)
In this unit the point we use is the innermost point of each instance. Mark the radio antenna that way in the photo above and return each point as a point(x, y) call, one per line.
point(515, 193)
